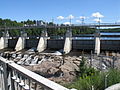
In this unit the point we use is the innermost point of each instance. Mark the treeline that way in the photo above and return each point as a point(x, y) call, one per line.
point(110, 30)
point(37, 31)
point(9, 23)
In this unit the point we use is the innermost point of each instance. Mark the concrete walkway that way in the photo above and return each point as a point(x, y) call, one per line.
point(114, 87)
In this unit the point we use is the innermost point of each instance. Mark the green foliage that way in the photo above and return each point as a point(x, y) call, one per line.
point(86, 83)
point(89, 78)
point(96, 80)
point(82, 67)
point(110, 30)
point(85, 71)
point(51, 32)
point(113, 77)
point(56, 31)
point(83, 30)
point(33, 32)
point(14, 32)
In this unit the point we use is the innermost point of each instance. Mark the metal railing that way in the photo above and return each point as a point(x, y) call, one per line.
point(16, 77)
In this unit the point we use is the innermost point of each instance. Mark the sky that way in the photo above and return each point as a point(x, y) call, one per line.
point(61, 11)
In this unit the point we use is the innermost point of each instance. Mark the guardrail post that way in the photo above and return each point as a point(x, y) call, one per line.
point(5, 73)
point(12, 81)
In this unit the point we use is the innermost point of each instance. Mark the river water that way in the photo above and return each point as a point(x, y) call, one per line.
point(101, 38)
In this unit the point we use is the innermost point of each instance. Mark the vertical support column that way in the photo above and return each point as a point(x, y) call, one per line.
point(4, 40)
point(97, 43)
point(2, 43)
point(21, 42)
point(42, 45)
point(68, 41)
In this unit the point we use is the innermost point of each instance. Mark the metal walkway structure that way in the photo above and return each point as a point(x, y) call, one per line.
point(64, 26)
point(16, 77)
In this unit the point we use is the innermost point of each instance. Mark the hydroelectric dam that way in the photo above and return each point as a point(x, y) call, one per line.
point(86, 42)
point(96, 42)
point(14, 76)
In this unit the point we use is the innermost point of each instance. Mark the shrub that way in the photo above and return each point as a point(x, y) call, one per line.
point(89, 78)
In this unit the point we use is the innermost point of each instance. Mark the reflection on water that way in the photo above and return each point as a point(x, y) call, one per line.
point(83, 38)
point(101, 38)
point(91, 38)
point(110, 38)
point(104, 33)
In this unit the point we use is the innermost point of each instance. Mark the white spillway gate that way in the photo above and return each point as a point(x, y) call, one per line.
point(16, 77)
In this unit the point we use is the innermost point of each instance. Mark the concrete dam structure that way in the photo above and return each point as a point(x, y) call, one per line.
point(96, 42)
point(77, 44)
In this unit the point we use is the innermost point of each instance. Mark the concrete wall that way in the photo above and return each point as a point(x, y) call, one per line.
point(77, 44)
point(12, 43)
point(83, 44)
point(55, 44)
point(31, 43)
point(110, 45)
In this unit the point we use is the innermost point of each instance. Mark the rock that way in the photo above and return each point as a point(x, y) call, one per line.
point(76, 62)
point(53, 67)
point(118, 54)
point(78, 59)
point(113, 54)
point(45, 68)
point(68, 66)
point(52, 70)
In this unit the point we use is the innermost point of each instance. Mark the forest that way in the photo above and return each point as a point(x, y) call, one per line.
point(51, 32)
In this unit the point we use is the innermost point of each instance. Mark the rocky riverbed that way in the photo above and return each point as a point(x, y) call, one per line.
point(61, 68)
point(57, 68)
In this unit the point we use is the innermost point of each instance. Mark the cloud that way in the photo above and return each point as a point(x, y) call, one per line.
point(70, 17)
point(60, 17)
point(82, 17)
point(78, 21)
point(97, 20)
point(98, 15)
point(66, 23)
point(118, 21)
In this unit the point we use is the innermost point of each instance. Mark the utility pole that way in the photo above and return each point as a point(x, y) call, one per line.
point(5, 32)
point(98, 31)
point(91, 57)
point(53, 20)
point(70, 21)
point(82, 22)
point(106, 80)
point(82, 19)
point(70, 24)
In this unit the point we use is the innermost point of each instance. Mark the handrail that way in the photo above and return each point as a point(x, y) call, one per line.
point(23, 72)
